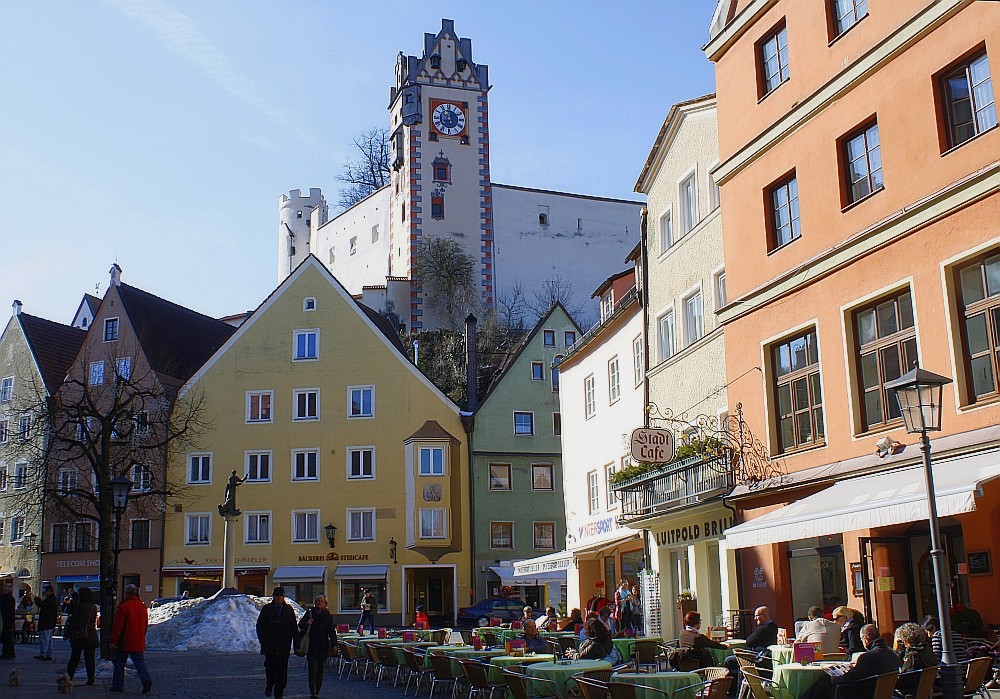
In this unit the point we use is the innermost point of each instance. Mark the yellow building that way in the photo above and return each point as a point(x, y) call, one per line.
point(356, 465)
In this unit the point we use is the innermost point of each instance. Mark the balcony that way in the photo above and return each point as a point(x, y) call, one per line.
point(677, 484)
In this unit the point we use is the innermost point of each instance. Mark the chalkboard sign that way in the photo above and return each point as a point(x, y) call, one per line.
point(979, 562)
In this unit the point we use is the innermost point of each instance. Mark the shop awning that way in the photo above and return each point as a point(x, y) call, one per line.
point(542, 565)
point(299, 574)
point(78, 578)
point(508, 576)
point(358, 572)
point(603, 545)
point(877, 500)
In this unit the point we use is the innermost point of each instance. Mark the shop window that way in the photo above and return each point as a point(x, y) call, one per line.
point(817, 567)
point(352, 590)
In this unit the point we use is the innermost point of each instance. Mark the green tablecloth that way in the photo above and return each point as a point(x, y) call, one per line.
point(441, 650)
point(665, 681)
point(499, 662)
point(362, 642)
point(792, 679)
point(415, 645)
point(560, 674)
point(719, 655)
point(466, 653)
point(625, 646)
point(781, 655)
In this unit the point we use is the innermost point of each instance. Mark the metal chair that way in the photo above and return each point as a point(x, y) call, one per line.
point(646, 655)
point(350, 659)
point(443, 674)
point(924, 682)
point(975, 677)
point(884, 685)
point(590, 688)
point(466, 635)
point(627, 690)
point(489, 638)
point(749, 660)
point(440, 636)
point(758, 686)
point(524, 687)
point(388, 663)
point(479, 680)
point(415, 665)
point(372, 662)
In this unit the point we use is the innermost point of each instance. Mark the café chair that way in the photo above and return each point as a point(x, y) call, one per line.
point(925, 683)
point(646, 655)
point(466, 635)
point(590, 688)
point(756, 685)
point(440, 636)
point(627, 690)
point(443, 674)
point(415, 665)
point(567, 643)
point(373, 662)
point(975, 677)
point(489, 638)
point(479, 680)
point(349, 659)
point(884, 686)
point(599, 674)
point(712, 673)
point(387, 663)
point(524, 687)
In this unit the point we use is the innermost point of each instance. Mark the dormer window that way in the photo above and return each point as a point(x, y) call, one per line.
point(435, 62)
point(607, 305)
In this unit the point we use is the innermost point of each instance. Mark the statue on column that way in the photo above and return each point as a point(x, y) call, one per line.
point(229, 506)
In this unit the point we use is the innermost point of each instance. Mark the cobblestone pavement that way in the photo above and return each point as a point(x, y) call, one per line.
point(193, 675)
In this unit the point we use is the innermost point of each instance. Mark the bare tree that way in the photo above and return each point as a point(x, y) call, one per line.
point(370, 171)
point(555, 290)
point(511, 306)
point(447, 274)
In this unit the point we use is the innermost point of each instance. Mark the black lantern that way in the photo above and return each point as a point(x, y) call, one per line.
point(121, 487)
point(30, 541)
point(331, 534)
point(392, 549)
point(919, 395)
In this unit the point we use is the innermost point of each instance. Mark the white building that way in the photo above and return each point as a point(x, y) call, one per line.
point(441, 187)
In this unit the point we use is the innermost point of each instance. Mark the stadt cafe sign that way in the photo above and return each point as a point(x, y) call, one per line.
point(652, 445)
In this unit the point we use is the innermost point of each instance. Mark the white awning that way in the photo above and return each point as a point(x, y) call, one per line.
point(542, 565)
point(299, 574)
point(509, 577)
point(356, 572)
point(877, 500)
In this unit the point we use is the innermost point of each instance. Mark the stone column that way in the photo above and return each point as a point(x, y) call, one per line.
point(229, 552)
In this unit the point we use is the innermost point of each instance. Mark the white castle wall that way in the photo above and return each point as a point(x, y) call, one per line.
point(295, 212)
point(369, 265)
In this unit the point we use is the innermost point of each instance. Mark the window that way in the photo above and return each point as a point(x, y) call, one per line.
point(3, 477)
point(353, 250)
point(350, 593)
point(721, 299)
point(433, 524)
point(305, 465)
point(569, 338)
point(361, 401)
point(714, 196)
point(593, 493)
point(259, 406)
point(437, 207)
point(589, 400)
point(798, 394)
point(431, 461)
point(666, 328)
point(638, 365)
point(360, 462)
point(123, 368)
point(142, 478)
point(141, 422)
point(784, 220)
point(375, 233)
point(110, 329)
point(200, 468)
point(554, 372)
point(501, 535)
point(306, 344)
point(609, 471)
point(556, 424)
point(773, 56)
point(614, 381)
point(607, 305)
point(17, 530)
point(96, 373)
point(23, 427)
point(549, 338)
point(306, 402)
point(139, 538)
point(500, 477)
point(305, 526)
point(20, 475)
point(309, 304)
point(60, 538)
point(6, 389)
point(537, 371)
point(689, 202)
point(847, 13)
point(199, 529)
point(2, 523)
point(67, 481)
point(886, 347)
point(361, 525)
point(258, 528)
point(666, 231)
point(979, 290)
point(968, 100)
point(694, 319)
point(4, 431)
point(541, 477)
point(544, 536)
point(863, 163)
point(258, 466)
point(524, 423)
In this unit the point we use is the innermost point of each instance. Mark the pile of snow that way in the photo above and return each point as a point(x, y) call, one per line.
point(219, 624)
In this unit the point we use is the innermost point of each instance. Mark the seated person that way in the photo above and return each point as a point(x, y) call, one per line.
point(859, 681)
point(933, 628)
point(693, 639)
point(421, 621)
point(575, 617)
point(820, 630)
point(914, 651)
point(533, 643)
point(766, 634)
point(851, 621)
point(605, 616)
point(527, 614)
point(548, 621)
point(597, 645)
point(583, 631)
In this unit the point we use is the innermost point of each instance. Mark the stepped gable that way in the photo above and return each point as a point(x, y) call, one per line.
point(54, 346)
point(175, 339)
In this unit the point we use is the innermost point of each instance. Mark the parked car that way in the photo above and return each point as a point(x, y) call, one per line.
point(482, 611)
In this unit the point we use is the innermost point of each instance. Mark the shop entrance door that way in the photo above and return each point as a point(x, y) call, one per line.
point(887, 569)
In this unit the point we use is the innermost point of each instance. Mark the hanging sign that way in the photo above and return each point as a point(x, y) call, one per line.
point(652, 445)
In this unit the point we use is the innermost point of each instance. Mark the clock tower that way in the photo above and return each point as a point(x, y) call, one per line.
point(440, 163)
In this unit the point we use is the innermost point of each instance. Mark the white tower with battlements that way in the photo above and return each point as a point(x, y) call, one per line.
point(295, 221)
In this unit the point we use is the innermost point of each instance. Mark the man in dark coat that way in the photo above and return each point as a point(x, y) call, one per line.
point(276, 631)
point(860, 680)
point(7, 606)
point(766, 634)
point(48, 613)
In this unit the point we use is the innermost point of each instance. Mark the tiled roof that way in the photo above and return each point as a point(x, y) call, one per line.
point(175, 340)
point(430, 430)
point(385, 327)
point(54, 347)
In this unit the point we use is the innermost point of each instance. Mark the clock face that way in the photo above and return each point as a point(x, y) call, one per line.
point(449, 119)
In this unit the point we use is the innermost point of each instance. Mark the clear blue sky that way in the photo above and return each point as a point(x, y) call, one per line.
point(160, 133)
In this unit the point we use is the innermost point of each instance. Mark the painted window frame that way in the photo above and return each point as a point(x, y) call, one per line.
point(306, 467)
point(548, 337)
point(527, 420)
point(666, 341)
point(361, 475)
point(249, 527)
point(773, 46)
point(535, 527)
point(260, 395)
point(984, 303)
point(963, 70)
point(206, 531)
point(299, 393)
point(438, 516)
point(359, 412)
point(305, 355)
point(867, 132)
point(248, 462)
point(688, 195)
point(537, 371)
point(6, 389)
point(810, 373)
point(431, 470)
point(784, 217)
point(305, 514)
point(132, 544)
point(367, 515)
point(694, 323)
point(665, 229)
point(496, 482)
point(540, 468)
point(112, 328)
point(589, 396)
point(204, 467)
point(593, 493)
point(614, 380)
point(500, 531)
point(95, 374)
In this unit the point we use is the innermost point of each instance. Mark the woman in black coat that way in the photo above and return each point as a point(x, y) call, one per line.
point(318, 623)
point(81, 630)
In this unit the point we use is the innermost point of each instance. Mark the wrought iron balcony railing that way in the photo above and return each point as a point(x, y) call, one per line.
point(681, 483)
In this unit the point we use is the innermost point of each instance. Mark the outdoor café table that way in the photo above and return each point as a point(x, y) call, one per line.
point(792, 679)
point(719, 655)
point(499, 662)
point(468, 653)
point(397, 648)
point(625, 646)
point(781, 655)
point(560, 674)
point(362, 642)
point(439, 650)
point(665, 681)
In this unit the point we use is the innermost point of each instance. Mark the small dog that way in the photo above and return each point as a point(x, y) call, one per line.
point(14, 678)
point(64, 684)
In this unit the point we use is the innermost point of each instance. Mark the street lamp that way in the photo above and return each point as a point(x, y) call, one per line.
point(331, 534)
point(30, 541)
point(121, 486)
point(919, 395)
point(392, 549)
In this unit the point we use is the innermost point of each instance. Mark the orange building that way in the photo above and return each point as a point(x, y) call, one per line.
point(859, 179)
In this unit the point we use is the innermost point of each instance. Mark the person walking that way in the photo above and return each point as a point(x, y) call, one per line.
point(317, 622)
point(7, 607)
point(369, 605)
point(128, 640)
point(276, 631)
point(81, 632)
point(48, 613)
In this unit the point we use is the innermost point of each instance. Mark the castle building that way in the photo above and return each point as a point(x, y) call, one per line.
point(441, 187)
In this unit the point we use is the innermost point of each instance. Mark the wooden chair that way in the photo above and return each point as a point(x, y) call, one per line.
point(646, 655)
point(479, 681)
point(712, 673)
point(349, 659)
point(590, 688)
point(627, 690)
point(415, 665)
point(884, 685)
point(443, 674)
point(925, 683)
point(758, 686)
point(975, 677)
point(524, 687)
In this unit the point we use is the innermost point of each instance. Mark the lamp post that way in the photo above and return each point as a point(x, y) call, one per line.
point(392, 549)
point(121, 486)
point(919, 395)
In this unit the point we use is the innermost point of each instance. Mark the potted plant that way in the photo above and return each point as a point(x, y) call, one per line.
point(686, 602)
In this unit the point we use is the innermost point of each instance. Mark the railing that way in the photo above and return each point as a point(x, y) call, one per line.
point(677, 484)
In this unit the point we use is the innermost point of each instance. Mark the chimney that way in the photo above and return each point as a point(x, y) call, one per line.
point(471, 365)
point(116, 274)
point(17, 307)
